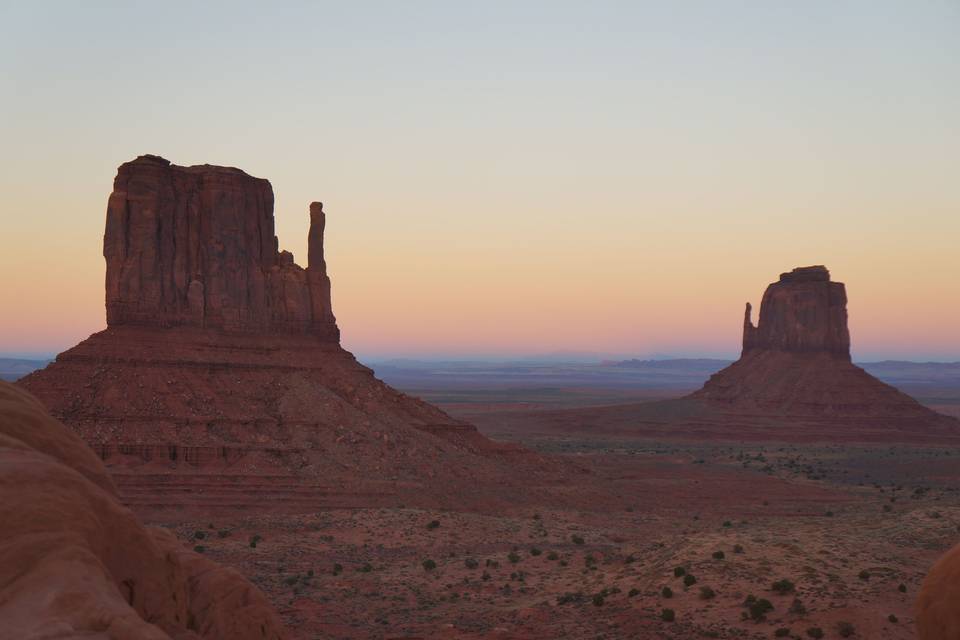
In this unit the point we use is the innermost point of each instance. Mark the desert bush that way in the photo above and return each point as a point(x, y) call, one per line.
point(366, 568)
point(576, 539)
point(846, 629)
point(798, 607)
point(485, 576)
point(738, 548)
point(666, 592)
point(513, 557)
point(782, 632)
point(535, 551)
point(706, 593)
point(633, 592)
point(223, 533)
point(783, 586)
point(815, 632)
point(433, 524)
point(679, 571)
point(668, 615)
point(759, 609)
point(470, 563)
point(199, 535)
point(200, 548)
point(718, 555)
point(902, 588)
point(629, 559)
point(598, 600)
point(552, 555)
point(337, 569)
point(689, 580)
point(255, 540)
point(429, 565)
point(892, 618)
point(864, 575)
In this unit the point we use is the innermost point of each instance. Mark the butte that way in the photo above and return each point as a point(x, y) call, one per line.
point(220, 381)
point(794, 381)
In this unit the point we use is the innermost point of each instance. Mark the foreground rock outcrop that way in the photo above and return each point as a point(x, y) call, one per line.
point(75, 563)
point(220, 380)
point(938, 605)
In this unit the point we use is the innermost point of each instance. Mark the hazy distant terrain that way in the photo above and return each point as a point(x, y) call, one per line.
point(14, 368)
point(533, 384)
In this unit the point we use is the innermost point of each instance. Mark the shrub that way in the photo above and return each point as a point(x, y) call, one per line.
point(429, 565)
point(337, 569)
point(200, 548)
point(706, 593)
point(782, 632)
point(864, 575)
point(845, 629)
point(783, 586)
point(470, 563)
point(366, 568)
point(223, 533)
point(433, 524)
point(902, 588)
point(255, 540)
point(552, 555)
point(893, 618)
point(629, 559)
point(633, 592)
point(815, 632)
point(668, 615)
point(199, 535)
point(718, 555)
point(535, 551)
point(678, 571)
point(666, 592)
point(513, 557)
point(576, 539)
point(760, 608)
point(485, 576)
point(727, 523)
point(689, 580)
point(598, 600)
point(738, 548)
point(798, 607)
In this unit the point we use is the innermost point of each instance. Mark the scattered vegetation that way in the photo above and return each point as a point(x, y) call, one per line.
point(668, 615)
point(429, 565)
point(783, 587)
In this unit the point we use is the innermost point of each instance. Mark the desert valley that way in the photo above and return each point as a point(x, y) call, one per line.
point(224, 468)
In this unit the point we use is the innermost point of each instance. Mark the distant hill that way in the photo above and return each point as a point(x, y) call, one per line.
point(14, 368)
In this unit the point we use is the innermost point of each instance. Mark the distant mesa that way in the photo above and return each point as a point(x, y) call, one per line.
point(796, 360)
point(793, 381)
point(221, 358)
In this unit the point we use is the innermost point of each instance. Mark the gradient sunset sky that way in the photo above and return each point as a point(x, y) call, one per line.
point(509, 178)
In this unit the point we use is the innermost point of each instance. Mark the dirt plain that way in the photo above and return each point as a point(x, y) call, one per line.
point(833, 537)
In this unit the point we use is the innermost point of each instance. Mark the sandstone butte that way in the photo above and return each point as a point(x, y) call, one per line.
point(76, 563)
point(220, 381)
point(794, 381)
point(796, 362)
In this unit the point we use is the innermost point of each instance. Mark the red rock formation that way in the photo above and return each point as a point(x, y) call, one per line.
point(74, 562)
point(195, 246)
point(796, 361)
point(938, 605)
point(221, 356)
point(803, 313)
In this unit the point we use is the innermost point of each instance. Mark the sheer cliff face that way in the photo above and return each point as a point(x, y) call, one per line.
point(195, 246)
point(803, 313)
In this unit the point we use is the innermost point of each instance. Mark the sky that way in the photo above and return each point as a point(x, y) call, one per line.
point(509, 178)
